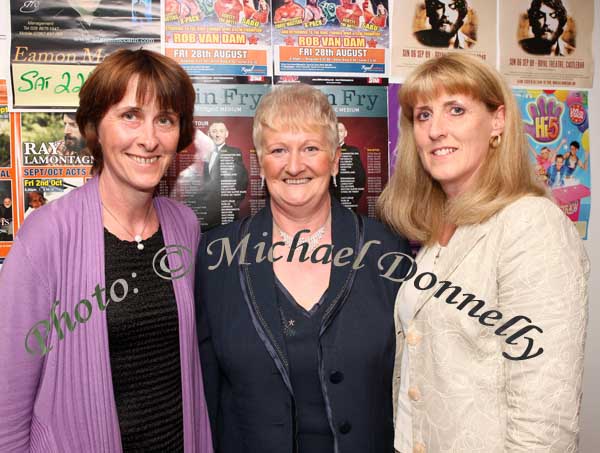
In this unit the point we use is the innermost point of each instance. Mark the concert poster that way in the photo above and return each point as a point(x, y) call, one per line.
point(547, 46)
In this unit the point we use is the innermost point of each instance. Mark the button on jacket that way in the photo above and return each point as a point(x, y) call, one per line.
point(245, 365)
point(466, 394)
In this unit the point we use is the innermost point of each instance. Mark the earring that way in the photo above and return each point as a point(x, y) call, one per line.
point(495, 141)
point(334, 181)
point(262, 182)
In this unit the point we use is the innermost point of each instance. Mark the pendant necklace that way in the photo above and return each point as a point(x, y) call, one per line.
point(136, 237)
point(437, 254)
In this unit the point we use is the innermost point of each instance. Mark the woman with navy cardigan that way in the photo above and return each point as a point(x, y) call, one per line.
point(295, 321)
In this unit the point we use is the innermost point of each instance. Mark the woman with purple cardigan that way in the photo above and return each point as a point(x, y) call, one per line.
point(98, 349)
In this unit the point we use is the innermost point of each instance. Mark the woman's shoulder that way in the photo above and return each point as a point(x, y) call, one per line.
point(55, 215)
point(376, 230)
point(177, 211)
point(533, 210)
point(229, 231)
point(538, 220)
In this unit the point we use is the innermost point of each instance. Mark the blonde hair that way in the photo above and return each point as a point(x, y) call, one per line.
point(413, 203)
point(295, 108)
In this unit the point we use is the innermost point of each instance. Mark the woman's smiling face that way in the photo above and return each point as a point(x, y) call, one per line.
point(297, 166)
point(452, 134)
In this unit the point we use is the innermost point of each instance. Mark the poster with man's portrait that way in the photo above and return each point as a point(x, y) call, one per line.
point(547, 42)
point(426, 29)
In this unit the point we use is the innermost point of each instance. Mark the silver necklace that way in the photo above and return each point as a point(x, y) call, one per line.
point(313, 240)
point(136, 237)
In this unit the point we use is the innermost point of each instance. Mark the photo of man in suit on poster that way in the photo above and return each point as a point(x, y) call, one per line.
point(350, 180)
point(215, 185)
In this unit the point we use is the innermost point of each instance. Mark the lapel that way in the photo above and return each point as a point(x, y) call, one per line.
point(258, 287)
point(258, 282)
point(460, 246)
point(215, 170)
point(345, 232)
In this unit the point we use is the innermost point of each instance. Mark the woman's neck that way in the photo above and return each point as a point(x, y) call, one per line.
point(291, 220)
point(446, 234)
point(131, 208)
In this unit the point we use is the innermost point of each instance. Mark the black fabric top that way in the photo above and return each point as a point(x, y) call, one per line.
point(301, 332)
point(143, 339)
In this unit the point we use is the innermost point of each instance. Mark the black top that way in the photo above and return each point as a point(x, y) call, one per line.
point(143, 340)
point(301, 332)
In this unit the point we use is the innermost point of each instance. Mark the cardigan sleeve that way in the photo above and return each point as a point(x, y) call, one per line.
point(24, 329)
point(542, 275)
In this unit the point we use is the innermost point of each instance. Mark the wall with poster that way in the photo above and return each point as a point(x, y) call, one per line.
point(41, 163)
point(590, 411)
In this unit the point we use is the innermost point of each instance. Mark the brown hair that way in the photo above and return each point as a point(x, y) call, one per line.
point(413, 203)
point(159, 77)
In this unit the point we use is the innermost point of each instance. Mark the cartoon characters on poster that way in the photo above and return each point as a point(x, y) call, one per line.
point(557, 129)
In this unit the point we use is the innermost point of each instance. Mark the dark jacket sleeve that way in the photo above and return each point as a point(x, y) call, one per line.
point(360, 175)
point(211, 372)
point(394, 261)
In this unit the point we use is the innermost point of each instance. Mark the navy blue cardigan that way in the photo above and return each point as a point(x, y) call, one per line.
point(245, 368)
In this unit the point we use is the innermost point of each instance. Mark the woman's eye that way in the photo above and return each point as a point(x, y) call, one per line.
point(277, 151)
point(311, 149)
point(423, 116)
point(166, 121)
point(456, 110)
point(129, 116)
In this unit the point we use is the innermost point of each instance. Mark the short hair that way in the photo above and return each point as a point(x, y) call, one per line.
point(413, 203)
point(575, 143)
point(297, 107)
point(557, 5)
point(70, 115)
point(559, 156)
point(158, 76)
point(212, 123)
point(39, 191)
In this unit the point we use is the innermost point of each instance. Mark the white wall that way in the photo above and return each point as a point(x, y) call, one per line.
point(590, 411)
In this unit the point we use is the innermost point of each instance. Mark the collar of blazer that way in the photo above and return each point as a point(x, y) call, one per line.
point(460, 246)
point(258, 284)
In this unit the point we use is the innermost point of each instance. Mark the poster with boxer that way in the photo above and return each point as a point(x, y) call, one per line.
point(219, 37)
point(331, 37)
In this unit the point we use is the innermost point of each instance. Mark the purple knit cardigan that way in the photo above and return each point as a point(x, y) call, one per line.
point(63, 401)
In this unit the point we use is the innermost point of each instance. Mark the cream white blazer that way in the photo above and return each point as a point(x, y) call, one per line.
point(467, 397)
